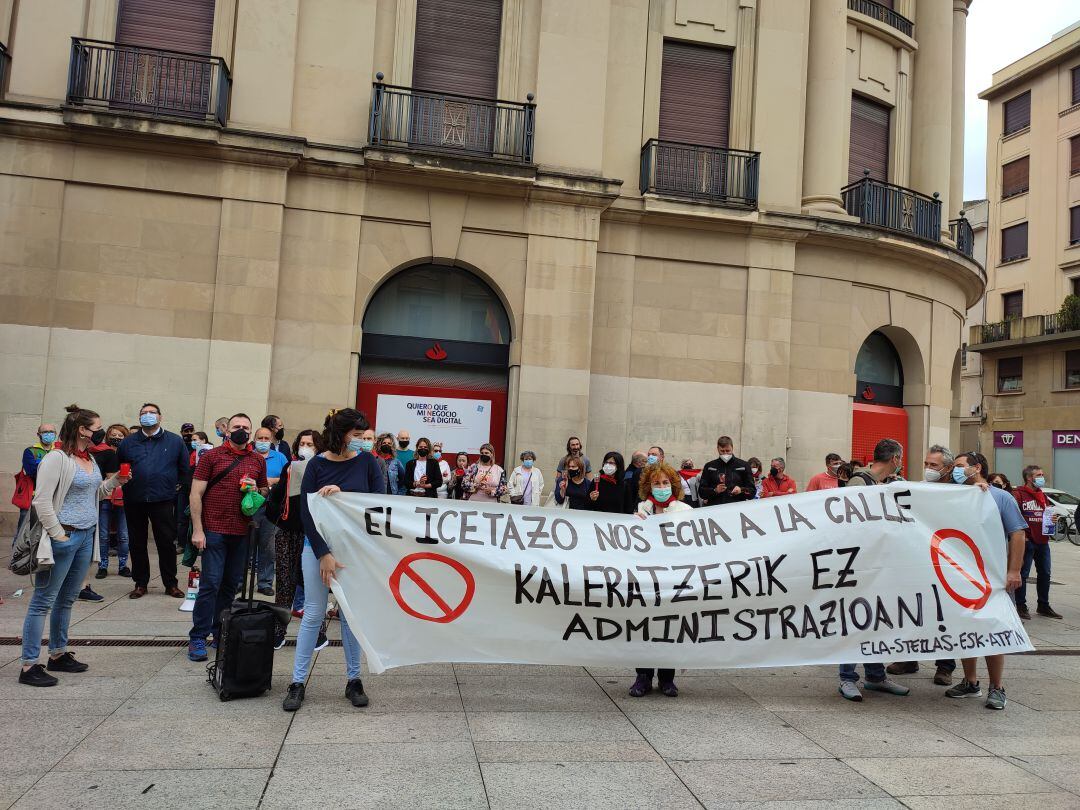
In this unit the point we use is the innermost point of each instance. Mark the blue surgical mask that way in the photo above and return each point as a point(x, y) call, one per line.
point(262, 446)
point(527, 464)
point(1040, 481)
point(367, 444)
point(356, 445)
point(149, 419)
point(662, 494)
point(959, 476)
point(195, 444)
point(220, 432)
point(652, 459)
point(48, 438)
point(437, 455)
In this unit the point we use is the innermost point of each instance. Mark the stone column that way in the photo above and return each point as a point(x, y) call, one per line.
point(742, 94)
point(959, 39)
point(932, 101)
point(827, 107)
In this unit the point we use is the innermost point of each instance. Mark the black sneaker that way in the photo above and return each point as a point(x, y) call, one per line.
point(642, 686)
point(279, 637)
point(88, 594)
point(266, 590)
point(354, 691)
point(124, 572)
point(1048, 612)
point(66, 663)
point(101, 573)
point(37, 676)
point(322, 642)
point(293, 698)
point(669, 689)
point(1023, 613)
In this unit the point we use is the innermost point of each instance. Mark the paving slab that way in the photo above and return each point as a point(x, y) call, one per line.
point(531, 693)
point(579, 751)
point(348, 727)
point(745, 780)
point(1061, 770)
point(1059, 800)
point(14, 783)
point(949, 776)
point(596, 785)
point(405, 693)
point(551, 726)
point(851, 733)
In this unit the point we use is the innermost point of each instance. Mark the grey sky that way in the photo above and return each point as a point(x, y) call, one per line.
point(1000, 32)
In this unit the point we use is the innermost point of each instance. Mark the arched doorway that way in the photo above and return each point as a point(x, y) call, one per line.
point(434, 358)
point(878, 410)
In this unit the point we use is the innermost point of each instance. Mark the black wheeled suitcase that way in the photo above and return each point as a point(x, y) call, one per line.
point(245, 651)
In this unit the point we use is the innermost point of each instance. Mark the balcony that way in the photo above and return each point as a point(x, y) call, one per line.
point(712, 174)
point(5, 68)
point(149, 81)
point(406, 118)
point(894, 208)
point(882, 13)
point(963, 235)
point(1019, 331)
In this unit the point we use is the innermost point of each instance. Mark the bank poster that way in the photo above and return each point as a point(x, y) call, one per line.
point(460, 424)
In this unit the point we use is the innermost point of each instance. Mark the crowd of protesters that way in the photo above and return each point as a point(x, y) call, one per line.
point(99, 492)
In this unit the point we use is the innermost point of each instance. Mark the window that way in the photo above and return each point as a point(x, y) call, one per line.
point(1074, 154)
point(1076, 85)
point(1017, 112)
point(1010, 371)
point(1013, 304)
point(1072, 369)
point(457, 49)
point(695, 94)
point(176, 25)
point(963, 355)
point(1014, 177)
point(1014, 242)
point(1074, 225)
point(1076, 286)
point(869, 145)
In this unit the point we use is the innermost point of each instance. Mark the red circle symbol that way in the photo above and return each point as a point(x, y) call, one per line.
point(405, 568)
point(981, 584)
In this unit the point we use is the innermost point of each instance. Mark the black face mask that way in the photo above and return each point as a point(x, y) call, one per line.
point(114, 441)
point(280, 434)
point(775, 472)
point(385, 449)
point(403, 444)
point(485, 457)
point(239, 437)
point(421, 451)
point(98, 436)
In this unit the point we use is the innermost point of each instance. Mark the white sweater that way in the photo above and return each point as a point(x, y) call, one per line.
point(54, 476)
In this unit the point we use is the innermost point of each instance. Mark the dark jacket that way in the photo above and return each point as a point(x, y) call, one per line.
point(611, 495)
point(434, 477)
point(630, 490)
point(734, 473)
point(158, 465)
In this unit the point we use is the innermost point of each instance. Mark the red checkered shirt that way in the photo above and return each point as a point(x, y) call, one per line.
point(221, 503)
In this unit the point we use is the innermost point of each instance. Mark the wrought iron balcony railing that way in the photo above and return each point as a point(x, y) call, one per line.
point(152, 81)
point(883, 13)
point(728, 176)
point(5, 68)
point(894, 207)
point(407, 118)
point(962, 233)
point(1026, 328)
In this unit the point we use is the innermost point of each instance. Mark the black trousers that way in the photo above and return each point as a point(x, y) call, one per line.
point(161, 516)
point(663, 675)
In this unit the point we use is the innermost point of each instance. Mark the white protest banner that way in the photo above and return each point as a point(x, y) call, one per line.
point(897, 572)
point(460, 424)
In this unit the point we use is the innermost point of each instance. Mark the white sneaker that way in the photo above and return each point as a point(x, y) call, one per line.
point(849, 690)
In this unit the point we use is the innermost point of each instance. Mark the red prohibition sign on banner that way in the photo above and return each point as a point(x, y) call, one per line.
point(405, 568)
point(982, 584)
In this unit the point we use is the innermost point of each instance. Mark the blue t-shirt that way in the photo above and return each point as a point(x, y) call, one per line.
point(1012, 520)
point(275, 463)
point(361, 473)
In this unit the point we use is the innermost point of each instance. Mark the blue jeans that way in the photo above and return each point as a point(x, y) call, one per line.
point(55, 590)
point(298, 600)
point(22, 517)
point(223, 563)
point(1038, 553)
point(264, 532)
point(105, 513)
point(315, 594)
point(875, 673)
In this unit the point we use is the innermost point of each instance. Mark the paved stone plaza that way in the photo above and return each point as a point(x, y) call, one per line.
point(143, 729)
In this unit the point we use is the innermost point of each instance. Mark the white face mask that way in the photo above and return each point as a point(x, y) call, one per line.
point(306, 452)
point(931, 476)
point(725, 457)
point(609, 469)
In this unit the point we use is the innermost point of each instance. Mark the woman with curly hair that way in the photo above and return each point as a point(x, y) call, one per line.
point(661, 493)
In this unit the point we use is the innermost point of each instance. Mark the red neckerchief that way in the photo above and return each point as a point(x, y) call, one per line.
point(243, 452)
point(83, 454)
point(605, 477)
point(657, 503)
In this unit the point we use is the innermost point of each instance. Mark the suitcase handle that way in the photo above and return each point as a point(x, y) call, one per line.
point(250, 574)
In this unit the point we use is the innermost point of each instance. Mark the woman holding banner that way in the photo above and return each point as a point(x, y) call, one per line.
point(344, 467)
point(661, 492)
point(606, 493)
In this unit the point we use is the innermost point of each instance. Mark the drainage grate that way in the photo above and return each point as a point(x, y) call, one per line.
point(128, 642)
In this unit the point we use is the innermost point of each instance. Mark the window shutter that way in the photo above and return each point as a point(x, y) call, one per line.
point(175, 25)
point(1011, 367)
point(457, 47)
point(869, 140)
point(1013, 304)
point(695, 94)
point(1074, 224)
point(1014, 177)
point(1017, 113)
point(1014, 242)
point(1076, 85)
point(1072, 369)
point(1074, 154)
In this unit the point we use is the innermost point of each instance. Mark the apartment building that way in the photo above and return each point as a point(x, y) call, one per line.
point(635, 221)
point(1030, 344)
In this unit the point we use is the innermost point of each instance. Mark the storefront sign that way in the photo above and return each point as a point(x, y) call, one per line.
point(460, 424)
point(1009, 438)
point(1065, 439)
point(898, 572)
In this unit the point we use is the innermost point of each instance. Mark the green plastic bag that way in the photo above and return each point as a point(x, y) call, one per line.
point(251, 502)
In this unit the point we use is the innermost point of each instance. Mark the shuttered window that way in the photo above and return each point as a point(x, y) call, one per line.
point(1074, 225)
point(1013, 304)
point(1076, 85)
point(1010, 374)
point(869, 140)
point(695, 94)
point(457, 47)
point(1017, 113)
point(1014, 242)
point(1014, 177)
point(175, 25)
point(1074, 154)
point(1072, 369)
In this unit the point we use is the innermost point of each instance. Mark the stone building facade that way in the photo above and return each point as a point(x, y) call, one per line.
point(212, 232)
